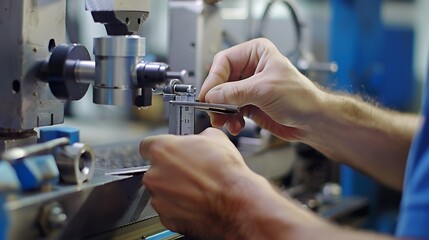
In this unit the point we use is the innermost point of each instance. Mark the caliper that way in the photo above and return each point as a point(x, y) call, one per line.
point(182, 103)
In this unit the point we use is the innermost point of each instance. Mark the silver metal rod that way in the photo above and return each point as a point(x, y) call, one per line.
point(129, 171)
point(41, 148)
point(85, 72)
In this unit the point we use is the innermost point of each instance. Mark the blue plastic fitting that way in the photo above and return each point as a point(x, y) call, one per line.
point(35, 172)
point(51, 133)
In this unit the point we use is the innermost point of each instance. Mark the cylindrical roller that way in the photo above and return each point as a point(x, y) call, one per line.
point(115, 59)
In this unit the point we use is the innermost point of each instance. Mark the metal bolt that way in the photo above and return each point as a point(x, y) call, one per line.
point(52, 218)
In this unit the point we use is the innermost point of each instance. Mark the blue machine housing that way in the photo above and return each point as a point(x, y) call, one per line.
point(375, 61)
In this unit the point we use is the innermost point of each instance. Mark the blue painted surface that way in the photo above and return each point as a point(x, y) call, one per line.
point(375, 62)
point(50, 133)
point(162, 235)
point(36, 171)
point(9, 182)
point(4, 222)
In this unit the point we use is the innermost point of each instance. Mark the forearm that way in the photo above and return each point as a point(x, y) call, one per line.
point(265, 214)
point(366, 137)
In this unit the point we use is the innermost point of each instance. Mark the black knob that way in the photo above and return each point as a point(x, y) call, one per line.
point(61, 71)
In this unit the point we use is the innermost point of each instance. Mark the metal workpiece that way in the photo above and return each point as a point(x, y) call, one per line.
point(29, 27)
point(76, 163)
point(120, 46)
point(115, 60)
point(60, 71)
point(120, 17)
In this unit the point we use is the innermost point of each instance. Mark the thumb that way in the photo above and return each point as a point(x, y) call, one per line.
point(238, 93)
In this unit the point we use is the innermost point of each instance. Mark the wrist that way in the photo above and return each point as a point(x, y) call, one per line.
point(260, 212)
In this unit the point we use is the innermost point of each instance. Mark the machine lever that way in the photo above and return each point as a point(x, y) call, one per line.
point(41, 148)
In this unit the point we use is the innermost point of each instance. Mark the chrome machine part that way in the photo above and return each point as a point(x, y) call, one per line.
point(76, 163)
point(85, 71)
point(31, 27)
point(115, 60)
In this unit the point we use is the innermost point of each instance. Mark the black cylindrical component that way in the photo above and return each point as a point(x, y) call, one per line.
point(61, 71)
point(145, 99)
point(149, 75)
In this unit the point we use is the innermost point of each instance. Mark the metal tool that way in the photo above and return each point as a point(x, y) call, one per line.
point(210, 107)
point(181, 99)
point(129, 171)
point(32, 150)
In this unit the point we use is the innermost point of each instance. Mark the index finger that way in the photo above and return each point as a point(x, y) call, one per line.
point(154, 145)
point(233, 64)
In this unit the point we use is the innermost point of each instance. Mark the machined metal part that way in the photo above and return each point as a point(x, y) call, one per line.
point(85, 71)
point(150, 75)
point(115, 60)
point(32, 150)
point(52, 218)
point(76, 163)
point(31, 27)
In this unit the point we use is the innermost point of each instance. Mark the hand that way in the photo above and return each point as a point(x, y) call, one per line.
point(189, 178)
point(201, 187)
point(270, 90)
